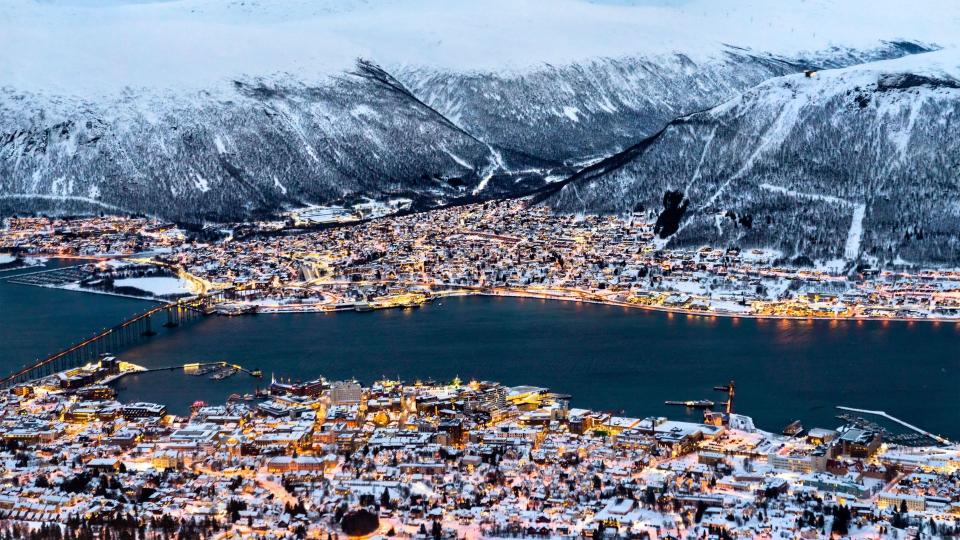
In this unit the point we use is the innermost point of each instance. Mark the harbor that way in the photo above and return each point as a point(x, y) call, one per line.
point(605, 355)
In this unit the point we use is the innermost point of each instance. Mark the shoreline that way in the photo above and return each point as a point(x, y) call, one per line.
point(725, 314)
point(327, 308)
point(91, 291)
point(546, 295)
point(334, 308)
point(73, 286)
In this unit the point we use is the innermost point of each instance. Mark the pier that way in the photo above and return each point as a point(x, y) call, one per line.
point(187, 368)
point(912, 427)
point(111, 340)
point(50, 277)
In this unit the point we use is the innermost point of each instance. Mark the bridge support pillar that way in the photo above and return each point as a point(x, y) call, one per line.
point(148, 326)
point(171, 317)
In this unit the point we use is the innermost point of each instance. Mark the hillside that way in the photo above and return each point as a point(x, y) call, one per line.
point(854, 163)
point(225, 110)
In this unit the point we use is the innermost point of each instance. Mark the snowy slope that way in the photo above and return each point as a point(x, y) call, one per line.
point(264, 146)
point(593, 108)
point(860, 161)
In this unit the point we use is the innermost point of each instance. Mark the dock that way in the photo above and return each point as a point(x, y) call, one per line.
point(256, 373)
point(882, 414)
point(49, 277)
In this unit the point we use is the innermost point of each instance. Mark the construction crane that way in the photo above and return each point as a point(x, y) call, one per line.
point(730, 390)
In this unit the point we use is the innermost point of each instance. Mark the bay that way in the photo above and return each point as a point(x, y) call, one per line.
point(608, 358)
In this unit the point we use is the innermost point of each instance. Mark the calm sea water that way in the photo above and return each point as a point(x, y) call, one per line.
point(608, 358)
point(36, 321)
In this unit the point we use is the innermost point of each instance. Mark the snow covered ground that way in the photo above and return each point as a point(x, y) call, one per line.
point(157, 286)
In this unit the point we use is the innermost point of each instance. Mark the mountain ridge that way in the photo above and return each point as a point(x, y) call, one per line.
point(875, 136)
point(187, 130)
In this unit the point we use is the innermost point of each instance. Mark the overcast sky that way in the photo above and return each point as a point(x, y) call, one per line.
point(113, 2)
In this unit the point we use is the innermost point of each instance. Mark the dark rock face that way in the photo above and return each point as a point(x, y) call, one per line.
point(674, 205)
point(904, 81)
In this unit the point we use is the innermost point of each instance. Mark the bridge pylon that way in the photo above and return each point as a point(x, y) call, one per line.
point(148, 326)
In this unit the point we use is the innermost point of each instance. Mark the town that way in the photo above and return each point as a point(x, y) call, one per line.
point(329, 459)
point(507, 248)
point(443, 459)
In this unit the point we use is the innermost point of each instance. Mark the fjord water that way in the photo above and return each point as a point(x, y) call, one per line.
point(608, 358)
point(37, 321)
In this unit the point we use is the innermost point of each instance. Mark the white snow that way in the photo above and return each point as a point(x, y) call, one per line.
point(811, 196)
point(157, 286)
point(793, 91)
point(200, 182)
point(278, 185)
point(572, 113)
point(482, 185)
point(218, 142)
point(457, 159)
point(729, 306)
point(689, 287)
point(190, 44)
point(761, 255)
point(852, 247)
point(364, 111)
point(854, 235)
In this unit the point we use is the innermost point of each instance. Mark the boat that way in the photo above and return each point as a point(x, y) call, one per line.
point(793, 428)
point(232, 310)
point(256, 373)
point(224, 373)
point(234, 397)
point(202, 370)
point(693, 404)
point(362, 306)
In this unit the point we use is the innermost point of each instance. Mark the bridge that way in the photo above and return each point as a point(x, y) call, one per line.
point(127, 333)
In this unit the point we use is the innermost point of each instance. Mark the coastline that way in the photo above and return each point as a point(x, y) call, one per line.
point(327, 308)
point(333, 308)
point(170, 353)
point(73, 286)
point(545, 294)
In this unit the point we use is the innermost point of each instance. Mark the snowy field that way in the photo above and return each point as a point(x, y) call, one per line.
point(157, 286)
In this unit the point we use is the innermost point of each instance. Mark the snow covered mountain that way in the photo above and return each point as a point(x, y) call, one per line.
point(263, 145)
point(226, 109)
point(588, 109)
point(854, 163)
